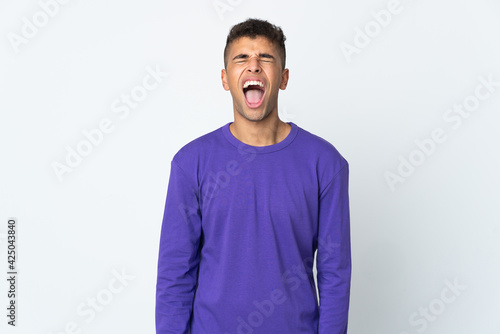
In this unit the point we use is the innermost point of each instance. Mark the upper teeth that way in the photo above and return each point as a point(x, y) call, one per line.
point(253, 83)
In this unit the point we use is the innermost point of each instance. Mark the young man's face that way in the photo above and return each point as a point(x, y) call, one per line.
point(254, 76)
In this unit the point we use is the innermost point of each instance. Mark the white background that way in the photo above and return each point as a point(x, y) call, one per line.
point(439, 225)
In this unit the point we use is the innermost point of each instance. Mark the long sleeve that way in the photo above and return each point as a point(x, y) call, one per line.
point(334, 255)
point(179, 254)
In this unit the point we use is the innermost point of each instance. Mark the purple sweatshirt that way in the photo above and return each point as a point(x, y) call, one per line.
point(240, 229)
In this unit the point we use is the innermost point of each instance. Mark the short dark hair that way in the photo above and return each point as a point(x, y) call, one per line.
point(253, 28)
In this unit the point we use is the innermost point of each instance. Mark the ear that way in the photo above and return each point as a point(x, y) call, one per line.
point(284, 79)
point(224, 79)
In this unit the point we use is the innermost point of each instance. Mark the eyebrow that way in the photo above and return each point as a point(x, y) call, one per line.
point(261, 55)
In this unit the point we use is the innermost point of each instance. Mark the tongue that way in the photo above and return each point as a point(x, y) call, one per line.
point(253, 95)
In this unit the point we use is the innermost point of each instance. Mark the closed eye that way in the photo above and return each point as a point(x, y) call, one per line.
point(264, 57)
point(240, 58)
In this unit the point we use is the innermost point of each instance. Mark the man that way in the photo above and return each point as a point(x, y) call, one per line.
point(247, 206)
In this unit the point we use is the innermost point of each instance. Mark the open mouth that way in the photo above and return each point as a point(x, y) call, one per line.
point(254, 92)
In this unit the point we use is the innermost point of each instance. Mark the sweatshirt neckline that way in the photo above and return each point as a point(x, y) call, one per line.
point(260, 149)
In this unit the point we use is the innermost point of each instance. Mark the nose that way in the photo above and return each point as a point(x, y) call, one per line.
point(254, 65)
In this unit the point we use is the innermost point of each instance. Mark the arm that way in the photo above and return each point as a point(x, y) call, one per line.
point(334, 255)
point(179, 257)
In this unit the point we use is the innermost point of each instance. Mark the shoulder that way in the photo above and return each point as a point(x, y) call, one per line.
point(321, 150)
point(190, 154)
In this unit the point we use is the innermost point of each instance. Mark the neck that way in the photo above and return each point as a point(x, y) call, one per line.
point(268, 131)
